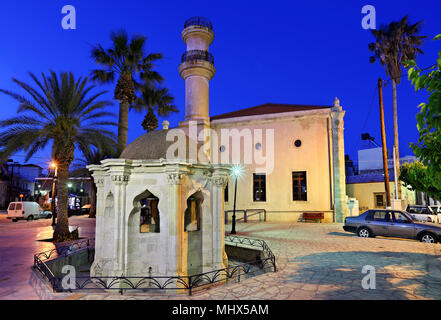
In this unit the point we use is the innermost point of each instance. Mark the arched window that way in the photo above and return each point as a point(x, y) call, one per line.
point(192, 217)
point(149, 215)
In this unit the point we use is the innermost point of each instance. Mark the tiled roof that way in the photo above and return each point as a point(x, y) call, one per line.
point(267, 108)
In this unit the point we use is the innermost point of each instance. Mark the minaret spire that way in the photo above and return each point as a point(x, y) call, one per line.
point(197, 68)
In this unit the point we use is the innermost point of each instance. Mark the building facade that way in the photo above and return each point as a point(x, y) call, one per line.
point(292, 159)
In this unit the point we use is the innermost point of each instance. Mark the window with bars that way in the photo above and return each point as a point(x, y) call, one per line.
point(259, 187)
point(299, 191)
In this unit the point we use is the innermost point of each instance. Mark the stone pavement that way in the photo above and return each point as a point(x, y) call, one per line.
point(315, 261)
point(321, 261)
point(18, 244)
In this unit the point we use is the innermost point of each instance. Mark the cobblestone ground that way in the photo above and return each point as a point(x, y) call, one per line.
point(321, 261)
point(315, 261)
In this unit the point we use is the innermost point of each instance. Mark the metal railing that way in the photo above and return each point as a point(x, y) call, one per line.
point(147, 283)
point(193, 55)
point(198, 21)
point(246, 215)
point(41, 258)
point(255, 243)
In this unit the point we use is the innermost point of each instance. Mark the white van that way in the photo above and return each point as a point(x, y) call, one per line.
point(25, 210)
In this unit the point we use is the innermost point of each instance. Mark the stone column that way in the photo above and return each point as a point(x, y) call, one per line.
point(338, 155)
point(99, 177)
point(120, 237)
point(177, 254)
point(219, 182)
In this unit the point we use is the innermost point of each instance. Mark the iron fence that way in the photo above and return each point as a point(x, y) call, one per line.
point(147, 283)
point(246, 215)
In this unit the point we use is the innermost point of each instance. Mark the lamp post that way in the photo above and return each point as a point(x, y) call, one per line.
point(54, 180)
point(236, 173)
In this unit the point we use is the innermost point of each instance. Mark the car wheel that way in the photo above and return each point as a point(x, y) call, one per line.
point(49, 216)
point(364, 233)
point(30, 218)
point(428, 238)
point(14, 220)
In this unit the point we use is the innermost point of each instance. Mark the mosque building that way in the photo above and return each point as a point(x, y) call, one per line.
point(161, 206)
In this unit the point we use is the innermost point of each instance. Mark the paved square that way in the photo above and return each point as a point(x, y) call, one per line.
point(315, 261)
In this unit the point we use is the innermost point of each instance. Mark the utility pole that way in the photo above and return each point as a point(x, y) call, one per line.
point(383, 142)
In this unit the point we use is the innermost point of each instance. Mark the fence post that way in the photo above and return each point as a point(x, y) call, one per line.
point(189, 285)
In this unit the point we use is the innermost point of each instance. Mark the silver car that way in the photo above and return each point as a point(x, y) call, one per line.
point(392, 223)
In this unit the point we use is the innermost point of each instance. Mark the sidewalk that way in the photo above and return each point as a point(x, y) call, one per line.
point(320, 261)
point(18, 244)
point(315, 261)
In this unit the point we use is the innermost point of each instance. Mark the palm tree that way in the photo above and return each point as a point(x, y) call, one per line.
point(93, 156)
point(129, 62)
point(396, 43)
point(62, 111)
point(154, 100)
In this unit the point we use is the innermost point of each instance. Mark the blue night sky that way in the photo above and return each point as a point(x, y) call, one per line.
point(297, 52)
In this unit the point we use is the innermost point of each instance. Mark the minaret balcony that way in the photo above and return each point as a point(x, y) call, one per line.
point(195, 55)
point(198, 21)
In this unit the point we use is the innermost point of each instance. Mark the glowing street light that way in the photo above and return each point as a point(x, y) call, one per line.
point(54, 166)
point(237, 172)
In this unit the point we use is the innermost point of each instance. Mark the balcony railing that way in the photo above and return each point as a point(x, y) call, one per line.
point(198, 21)
point(193, 55)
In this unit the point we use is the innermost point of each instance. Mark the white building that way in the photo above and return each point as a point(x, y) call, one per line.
point(160, 207)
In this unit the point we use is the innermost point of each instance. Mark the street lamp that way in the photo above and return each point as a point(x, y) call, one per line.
point(54, 166)
point(236, 171)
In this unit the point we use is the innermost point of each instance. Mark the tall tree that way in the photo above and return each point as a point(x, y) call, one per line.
point(157, 101)
point(126, 60)
point(62, 111)
point(396, 43)
point(428, 147)
point(418, 177)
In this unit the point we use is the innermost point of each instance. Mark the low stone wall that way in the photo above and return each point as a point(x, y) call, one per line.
point(77, 259)
point(243, 253)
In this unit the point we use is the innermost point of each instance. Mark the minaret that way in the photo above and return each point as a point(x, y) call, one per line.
point(197, 69)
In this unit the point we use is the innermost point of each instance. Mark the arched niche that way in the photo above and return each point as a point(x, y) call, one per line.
point(109, 205)
point(146, 204)
point(193, 212)
point(193, 232)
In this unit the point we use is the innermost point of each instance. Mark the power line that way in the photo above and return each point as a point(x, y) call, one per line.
point(374, 94)
point(386, 81)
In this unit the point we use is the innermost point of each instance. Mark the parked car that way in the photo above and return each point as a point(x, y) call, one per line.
point(73, 212)
point(26, 210)
point(85, 209)
point(392, 223)
point(436, 209)
point(422, 213)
